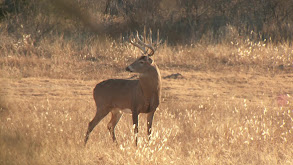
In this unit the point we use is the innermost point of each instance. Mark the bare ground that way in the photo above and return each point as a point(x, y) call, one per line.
point(191, 87)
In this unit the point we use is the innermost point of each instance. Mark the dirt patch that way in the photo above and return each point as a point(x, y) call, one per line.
point(193, 86)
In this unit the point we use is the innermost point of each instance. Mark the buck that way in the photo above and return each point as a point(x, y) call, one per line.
point(129, 96)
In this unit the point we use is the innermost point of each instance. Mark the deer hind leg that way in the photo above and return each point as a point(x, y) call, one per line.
point(116, 115)
point(101, 113)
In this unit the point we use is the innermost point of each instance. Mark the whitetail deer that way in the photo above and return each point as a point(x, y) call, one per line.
point(130, 96)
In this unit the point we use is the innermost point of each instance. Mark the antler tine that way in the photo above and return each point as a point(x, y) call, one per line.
point(139, 40)
point(137, 45)
point(158, 38)
point(151, 36)
point(146, 45)
point(159, 41)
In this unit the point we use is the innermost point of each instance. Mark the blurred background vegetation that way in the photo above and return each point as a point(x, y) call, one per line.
point(87, 38)
point(182, 21)
point(233, 103)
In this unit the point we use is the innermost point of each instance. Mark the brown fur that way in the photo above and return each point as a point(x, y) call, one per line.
point(140, 96)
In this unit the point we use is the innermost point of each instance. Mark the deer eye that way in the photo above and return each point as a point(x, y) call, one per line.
point(141, 62)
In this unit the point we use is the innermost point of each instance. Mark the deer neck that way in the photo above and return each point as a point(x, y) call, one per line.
point(150, 82)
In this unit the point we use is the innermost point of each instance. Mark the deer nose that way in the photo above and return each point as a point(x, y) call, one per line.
point(129, 69)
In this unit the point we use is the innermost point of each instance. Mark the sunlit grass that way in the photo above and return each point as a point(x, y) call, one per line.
point(60, 59)
point(51, 131)
point(47, 126)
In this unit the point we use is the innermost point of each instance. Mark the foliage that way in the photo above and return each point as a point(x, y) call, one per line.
point(183, 21)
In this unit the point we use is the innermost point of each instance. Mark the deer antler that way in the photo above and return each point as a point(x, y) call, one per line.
point(137, 45)
point(141, 45)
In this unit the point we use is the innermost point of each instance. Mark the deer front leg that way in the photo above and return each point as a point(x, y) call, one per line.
point(135, 124)
point(150, 117)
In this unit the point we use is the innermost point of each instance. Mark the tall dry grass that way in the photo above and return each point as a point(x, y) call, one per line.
point(61, 58)
point(50, 130)
point(46, 101)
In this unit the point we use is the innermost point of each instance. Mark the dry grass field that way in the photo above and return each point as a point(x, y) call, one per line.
point(223, 102)
point(231, 104)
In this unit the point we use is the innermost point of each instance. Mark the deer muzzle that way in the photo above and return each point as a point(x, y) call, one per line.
point(129, 69)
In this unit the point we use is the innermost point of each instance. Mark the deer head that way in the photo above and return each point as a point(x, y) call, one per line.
point(143, 63)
